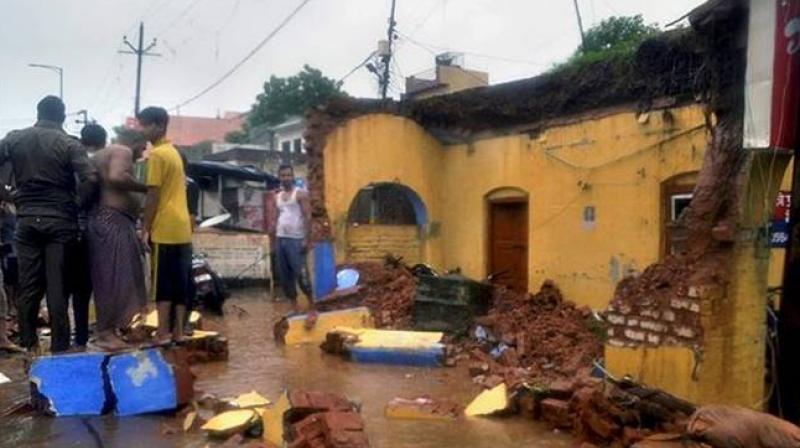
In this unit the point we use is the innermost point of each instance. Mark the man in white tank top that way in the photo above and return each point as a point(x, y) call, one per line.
point(291, 227)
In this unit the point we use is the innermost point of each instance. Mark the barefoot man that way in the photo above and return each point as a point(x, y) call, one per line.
point(166, 221)
point(114, 248)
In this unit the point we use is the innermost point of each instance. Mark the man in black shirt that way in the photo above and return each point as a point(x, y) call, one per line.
point(45, 162)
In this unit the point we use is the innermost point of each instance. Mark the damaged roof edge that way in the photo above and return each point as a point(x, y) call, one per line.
point(667, 66)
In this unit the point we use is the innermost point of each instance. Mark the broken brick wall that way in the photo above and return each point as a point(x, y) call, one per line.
point(710, 300)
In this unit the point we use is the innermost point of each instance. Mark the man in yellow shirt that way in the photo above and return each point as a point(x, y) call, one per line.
point(167, 225)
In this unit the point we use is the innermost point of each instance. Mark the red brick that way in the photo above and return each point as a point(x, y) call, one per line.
point(562, 389)
point(344, 421)
point(556, 412)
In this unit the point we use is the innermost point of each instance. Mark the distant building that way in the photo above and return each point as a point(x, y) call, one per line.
point(287, 137)
point(263, 157)
point(185, 131)
point(449, 76)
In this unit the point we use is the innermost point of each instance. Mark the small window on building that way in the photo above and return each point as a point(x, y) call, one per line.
point(382, 204)
point(298, 145)
point(286, 146)
point(679, 203)
point(675, 230)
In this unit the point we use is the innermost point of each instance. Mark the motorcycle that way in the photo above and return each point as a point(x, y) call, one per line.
point(210, 289)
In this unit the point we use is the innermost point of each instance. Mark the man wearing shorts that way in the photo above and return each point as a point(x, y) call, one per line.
point(167, 226)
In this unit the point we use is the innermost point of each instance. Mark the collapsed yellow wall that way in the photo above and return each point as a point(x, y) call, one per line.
point(615, 163)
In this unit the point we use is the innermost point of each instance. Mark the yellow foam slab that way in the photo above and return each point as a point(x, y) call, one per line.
point(200, 334)
point(151, 320)
point(297, 333)
point(250, 400)
point(371, 338)
point(272, 418)
point(489, 402)
point(230, 422)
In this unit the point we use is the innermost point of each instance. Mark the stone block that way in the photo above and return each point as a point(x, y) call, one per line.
point(668, 315)
point(615, 319)
point(66, 385)
point(653, 339)
point(653, 326)
point(635, 335)
point(684, 332)
point(632, 322)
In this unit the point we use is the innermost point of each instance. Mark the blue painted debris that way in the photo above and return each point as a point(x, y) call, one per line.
point(324, 269)
point(142, 382)
point(367, 345)
point(422, 357)
point(131, 383)
point(346, 278)
point(69, 384)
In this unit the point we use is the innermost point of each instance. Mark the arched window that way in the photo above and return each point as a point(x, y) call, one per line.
point(384, 203)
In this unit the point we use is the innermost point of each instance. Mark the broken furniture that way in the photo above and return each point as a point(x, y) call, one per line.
point(449, 303)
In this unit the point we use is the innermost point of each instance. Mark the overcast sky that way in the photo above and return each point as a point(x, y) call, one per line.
point(199, 40)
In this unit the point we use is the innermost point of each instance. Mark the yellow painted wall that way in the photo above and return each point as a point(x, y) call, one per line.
point(372, 242)
point(730, 367)
point(615, 163)
point(383, 148)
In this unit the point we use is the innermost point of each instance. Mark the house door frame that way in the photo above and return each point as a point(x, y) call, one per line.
point(507, 196)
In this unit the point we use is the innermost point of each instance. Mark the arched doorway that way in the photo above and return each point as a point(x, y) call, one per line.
point(508, 237)
point(386, 218)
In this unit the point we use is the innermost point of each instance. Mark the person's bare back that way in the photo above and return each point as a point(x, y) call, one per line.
point(118, 185)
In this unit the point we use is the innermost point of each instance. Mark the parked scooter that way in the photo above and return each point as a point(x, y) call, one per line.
point(210, 289)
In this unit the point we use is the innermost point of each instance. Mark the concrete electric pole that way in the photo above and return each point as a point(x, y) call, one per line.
point(387, 58)
point(139, 51)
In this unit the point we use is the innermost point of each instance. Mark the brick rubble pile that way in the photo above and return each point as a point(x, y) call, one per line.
point(388, 291)
point(532, 338)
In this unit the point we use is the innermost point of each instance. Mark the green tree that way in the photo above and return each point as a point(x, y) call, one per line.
point(286, 97)
point(616, 36)
point(622, 33)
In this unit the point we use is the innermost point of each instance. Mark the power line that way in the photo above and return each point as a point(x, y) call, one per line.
point(180, 16)
point(432, 49)
point(246, 58)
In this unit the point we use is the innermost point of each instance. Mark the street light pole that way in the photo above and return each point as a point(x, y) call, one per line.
point(58, 70)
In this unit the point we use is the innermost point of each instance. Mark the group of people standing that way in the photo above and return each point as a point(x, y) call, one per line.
point(82, 231)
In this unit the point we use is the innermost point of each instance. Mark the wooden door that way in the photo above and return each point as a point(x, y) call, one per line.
point(508, 243)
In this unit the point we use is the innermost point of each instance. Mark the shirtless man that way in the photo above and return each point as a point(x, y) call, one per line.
point(114, 247)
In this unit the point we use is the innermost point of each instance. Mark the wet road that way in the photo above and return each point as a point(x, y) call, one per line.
point(256, 363)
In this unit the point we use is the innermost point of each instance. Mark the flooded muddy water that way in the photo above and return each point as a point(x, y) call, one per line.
point(257, 363)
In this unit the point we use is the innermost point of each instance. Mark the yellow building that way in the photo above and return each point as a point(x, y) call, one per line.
point(583, 204)
point(563, 177)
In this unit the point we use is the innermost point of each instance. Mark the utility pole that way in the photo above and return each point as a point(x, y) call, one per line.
point(139, 51)
point(580, 24)
point(388, 58)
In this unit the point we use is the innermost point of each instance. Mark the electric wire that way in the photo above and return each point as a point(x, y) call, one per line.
point(247, 57)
